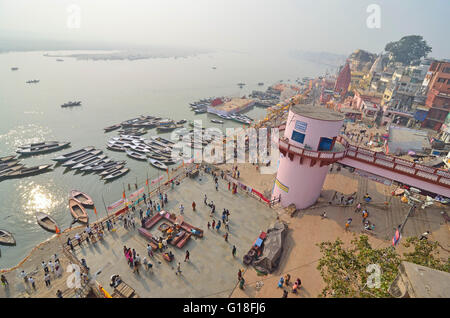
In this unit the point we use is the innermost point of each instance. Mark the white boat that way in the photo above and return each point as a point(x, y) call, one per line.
point(157, 164)
point(135, 155)
point(73, 154)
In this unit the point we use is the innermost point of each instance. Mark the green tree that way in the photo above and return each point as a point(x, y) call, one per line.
point(425, 253)
point(344, 270)
point(408, 48)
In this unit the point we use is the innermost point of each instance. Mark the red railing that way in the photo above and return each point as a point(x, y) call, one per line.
point(381, 160)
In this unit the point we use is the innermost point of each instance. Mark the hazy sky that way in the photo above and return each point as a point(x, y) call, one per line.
point(337, 26)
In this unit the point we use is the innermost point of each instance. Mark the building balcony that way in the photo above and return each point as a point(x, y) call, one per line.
point(317, 156)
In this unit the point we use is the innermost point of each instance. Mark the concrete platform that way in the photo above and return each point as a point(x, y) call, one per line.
point(212, 271)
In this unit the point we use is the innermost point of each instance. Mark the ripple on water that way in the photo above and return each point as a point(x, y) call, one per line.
point(25, 134)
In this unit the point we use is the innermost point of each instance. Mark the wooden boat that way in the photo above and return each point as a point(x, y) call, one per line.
point(81, 198)
point(73, 154)
point(167, 128)
point(8, 164)
point(157, 156)
point(111, 170)
point(82, 158)
point(162, 141)
point(94, 164)
point(5, 172)
point(116, 174)
point(180, 122)
point(216, 121)
point(157, 164)
point(6, 238)
point(7, 158)
point(111, 128)
point(114, 147)
point(42, 149)
point(78, 212)
point(46, 222)
point(107, 165)
point(38, 144)
point(89, 161)
point(139, 148)
point(26, 172)
point(135, 155)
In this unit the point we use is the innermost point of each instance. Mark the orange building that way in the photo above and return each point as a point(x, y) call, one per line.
point(438, 97)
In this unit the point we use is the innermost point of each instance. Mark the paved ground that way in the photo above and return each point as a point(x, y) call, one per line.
point(212, 271)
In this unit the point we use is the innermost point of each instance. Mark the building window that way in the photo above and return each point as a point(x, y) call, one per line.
point(441, 80)
point(325, 144)
point(298, 137)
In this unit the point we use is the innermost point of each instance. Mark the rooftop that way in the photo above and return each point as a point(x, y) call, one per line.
point(316, 112)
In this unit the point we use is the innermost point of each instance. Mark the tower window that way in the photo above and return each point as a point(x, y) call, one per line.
point(298, 137)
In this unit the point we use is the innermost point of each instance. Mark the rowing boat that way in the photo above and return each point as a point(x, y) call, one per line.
point(116, 174)
point(112, 169)
point(6, 238)
point(8, 164)
point(82, 158)
point(5, 172)
point(42, 149)
point(25, 172)
point(111, 128)
point(7, 158)
point(94, 164)
point(157, 164)
point(81, 198)
point(78, 211)
point(89, 161)
point(46, 221)
point(73, 154)
point(107, 165)
point(135, 155)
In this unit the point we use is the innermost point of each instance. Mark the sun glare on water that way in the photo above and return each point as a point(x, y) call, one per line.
point(38, 198)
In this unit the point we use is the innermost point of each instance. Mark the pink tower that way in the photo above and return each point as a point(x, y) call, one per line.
point(309, 145)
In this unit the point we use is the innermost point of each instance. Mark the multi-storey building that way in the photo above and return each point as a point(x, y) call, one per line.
point(438, 96)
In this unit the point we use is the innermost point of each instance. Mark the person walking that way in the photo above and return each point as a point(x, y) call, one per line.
point(178, 269)
point(226, 237)
point(47, 279)
point(181, 209)
point(285, 294)
point(218, 225)
point(217, 186)
point(186, 257)
point(233, 252)
point(4, 280)
point(209, 225)
point(24, 276)
point(32, 282)
point(141, 213)
point(239, 274)
point(213, 224)
point(193, 205)
point(287, 279)
point(205, 200)
point(59, 294)
point(347, 224)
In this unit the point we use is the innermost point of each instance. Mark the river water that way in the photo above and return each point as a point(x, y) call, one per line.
point(110, 91)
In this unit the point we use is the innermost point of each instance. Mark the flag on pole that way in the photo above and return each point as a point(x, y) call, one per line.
point(146, 182)
point(123, 195)
point(396, 238)
point(95, 210)
point(167, 170)
point(57, 230)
